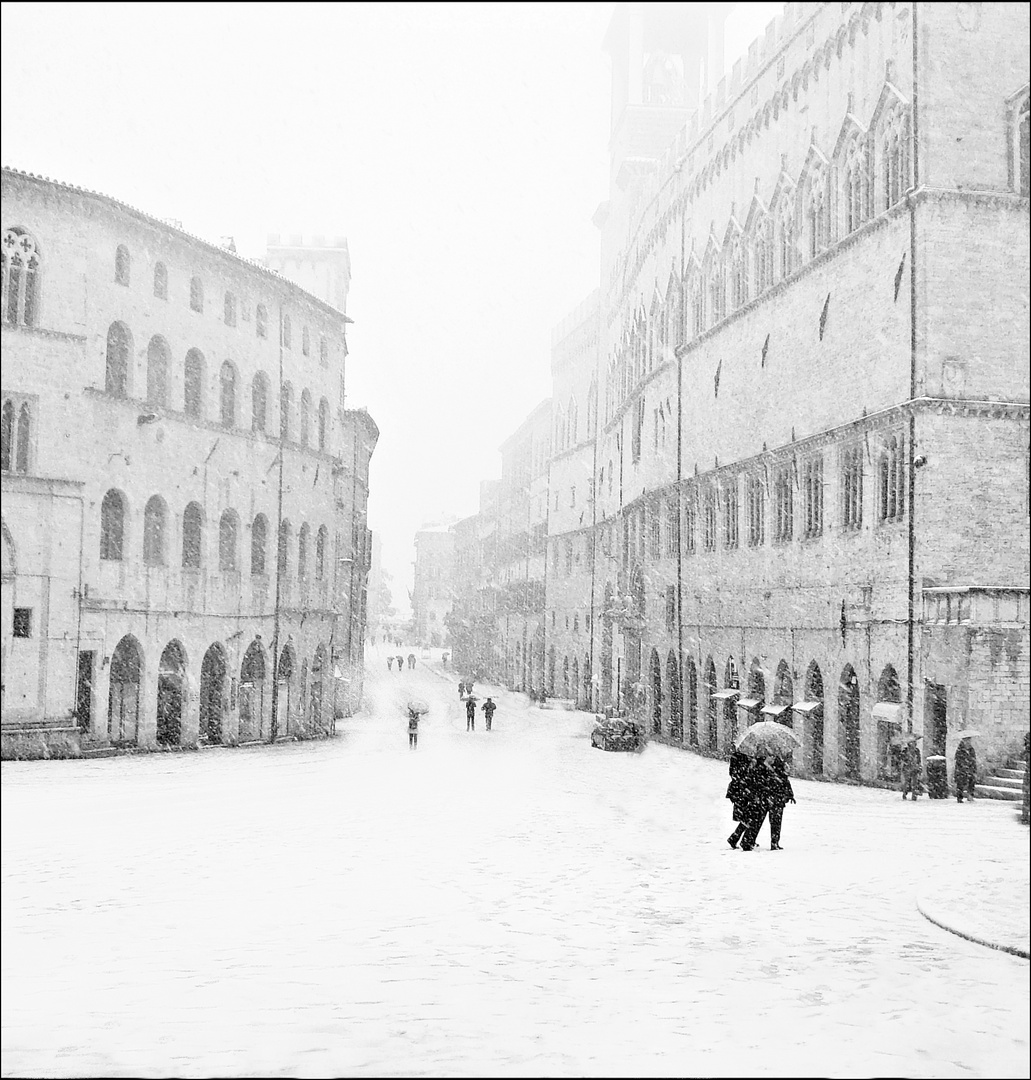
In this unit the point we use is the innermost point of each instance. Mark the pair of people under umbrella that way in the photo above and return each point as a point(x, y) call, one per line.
point(759, 787)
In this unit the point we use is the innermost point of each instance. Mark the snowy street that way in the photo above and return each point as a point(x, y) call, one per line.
point(503, 903)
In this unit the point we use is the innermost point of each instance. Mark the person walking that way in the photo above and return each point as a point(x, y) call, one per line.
point(911, 781)
point(758, 781)
point(413, 728)
point(390, 663)
point(411, 660)
point(400, 664)
point(739, 794)
point(470, 714)
point(780, 794)
point(965, 769)
point(461, 689)
point(488, 711)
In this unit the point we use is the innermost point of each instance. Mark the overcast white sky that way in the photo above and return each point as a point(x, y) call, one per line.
point(461, 148)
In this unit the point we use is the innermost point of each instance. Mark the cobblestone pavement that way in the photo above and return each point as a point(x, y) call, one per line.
point(503, 903)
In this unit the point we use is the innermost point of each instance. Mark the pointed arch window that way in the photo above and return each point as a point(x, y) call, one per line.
point(891, 490)
point(816, 216)
point(227, 397)
point(123, 264)
point(738, 274)
point(320, 552)
point(193, 384)
point(112, 526)
point(161, 281)
point(855, 190)
point(895, 156)
point(21, 268)
point(323, 352)
point(287, 332)
point(698, 307)
point(259, 402)
point(286, 395)
point(228, 541)
point(155, 523)
point(119, 352)
point(323, 425)
point(193, 531)
point(787, 239)
point(763, 255)
point(196, 294)
point(261, 321)
point(283, 549)
point(259, 543)
point(302, 552)
point(16, 439)
point(305, 419)
point(305, 341)
point(157, 372)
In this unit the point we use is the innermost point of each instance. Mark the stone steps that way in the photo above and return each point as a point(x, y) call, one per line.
point(993, 791)
point(1006, 784)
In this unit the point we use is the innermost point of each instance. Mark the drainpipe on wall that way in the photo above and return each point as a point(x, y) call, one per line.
point(274, 722)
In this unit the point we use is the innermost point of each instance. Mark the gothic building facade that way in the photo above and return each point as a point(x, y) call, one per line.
point(184, 542)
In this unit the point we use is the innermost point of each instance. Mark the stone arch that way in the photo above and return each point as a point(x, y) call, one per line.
point(316, 689)
point(171, 694)
point(814, 718)
point(888, 686)
point(124, 693)
point(848, 723)
point(214, 694)
point(285, 679)
point(252, 691)
point(711, 705)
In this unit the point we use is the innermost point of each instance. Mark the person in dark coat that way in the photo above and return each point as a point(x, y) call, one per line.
point(488, 711)
point(411, 660)
point(390, 663)
point(470, 714)
point(780, 794)
point(413, 728)
point(965, 770)
point(400, 664)
point(759, 783)
point(911, 782)
point(738, 793)
point(461, 689)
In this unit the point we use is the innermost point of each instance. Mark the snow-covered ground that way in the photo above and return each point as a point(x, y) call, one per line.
point(503, 903)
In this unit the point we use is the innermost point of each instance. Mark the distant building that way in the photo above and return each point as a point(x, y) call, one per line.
point(320, 266)
point(184, 542)
point(431, 595)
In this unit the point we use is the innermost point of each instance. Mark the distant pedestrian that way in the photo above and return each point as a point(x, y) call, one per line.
point(912, 783)
point(488, 711)
point(965, 769)
point(400, 664)
point(759, 786)
point(470, 714)
point(413, 728)
point(411, 660)
point(780, 794)
point(469, 686)
point(461, 689)
point(739, 794)
point(390, 663)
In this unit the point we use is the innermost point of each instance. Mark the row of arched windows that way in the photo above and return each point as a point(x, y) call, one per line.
point(231, 305)
point(311, 427)
point(311, 554)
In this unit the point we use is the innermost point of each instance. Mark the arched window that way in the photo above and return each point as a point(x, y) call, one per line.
point(287, 332)
point(787, 240)
point(193, 383)
point(855, 189)
point(738, 274)
point(283, 549)
point(698, 307)
point(193, 531)
point(891, 493)
point(122, 265)
point(1022, 146)
point(261, 321)
point(816, 216)
point(119, 353)
point(157, 371)
point(305, 341)
point(155, 521)
point(302, 552)
point(259, 402)
point(323, 352)
point(320, 552)
point(228, 528)
point(763, 255)
point(895, 156)
point(16, 438)
point(161, 281)
point(227, 379)
point(229, 309)
point(259, 543)
point(21, 266)
point(112, 526)
point(286, 396)
point(305, 419)
point(323, 425)
point(196, 294)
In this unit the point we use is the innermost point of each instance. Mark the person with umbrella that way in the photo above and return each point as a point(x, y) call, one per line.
point(965, 767)
point(739, 794)
point(759, 783)
point(780, 794)
point(912, 783)
point(470, 713)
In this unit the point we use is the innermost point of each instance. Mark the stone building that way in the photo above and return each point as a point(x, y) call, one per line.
point(811, 453)
point(521, 552)
point(184, 542)
point(474, 634)
point(434, 574)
